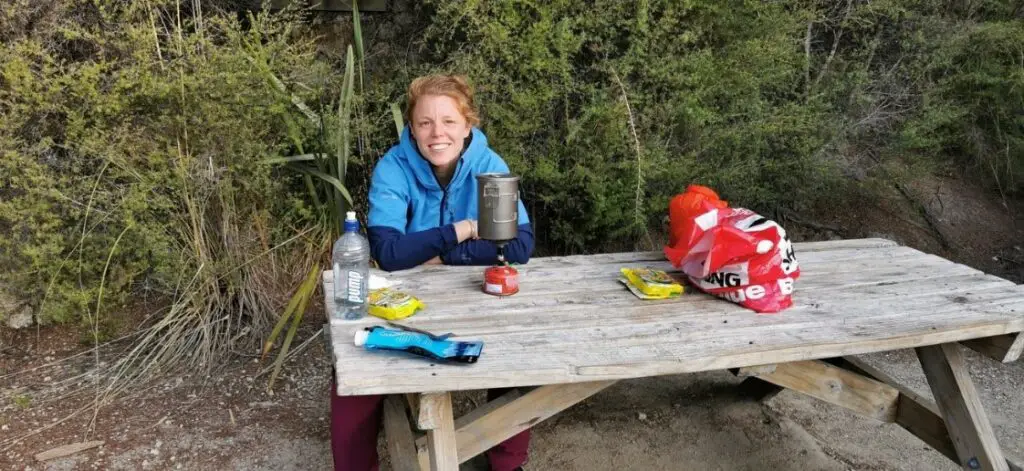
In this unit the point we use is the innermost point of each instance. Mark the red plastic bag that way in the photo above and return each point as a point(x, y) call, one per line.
point(733, 253)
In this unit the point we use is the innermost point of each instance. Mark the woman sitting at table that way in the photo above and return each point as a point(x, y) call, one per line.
point(423, 210)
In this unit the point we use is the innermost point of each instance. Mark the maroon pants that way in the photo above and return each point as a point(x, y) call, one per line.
point(355, 422)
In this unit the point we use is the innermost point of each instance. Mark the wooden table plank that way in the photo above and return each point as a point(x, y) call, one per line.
point(462, 288)
point(872, 296)
point(642, 361)
point(430, 410)
point(495, 422)
point(703, 328)
point(563, 267)
point(835, 385)
point(800, 248)
point(512, 365)
point(543, 271)
point(622, 308)
point(456, 293)
point(811, 288)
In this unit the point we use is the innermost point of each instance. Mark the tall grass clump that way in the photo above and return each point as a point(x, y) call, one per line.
point(152, 122)
point(324, 173)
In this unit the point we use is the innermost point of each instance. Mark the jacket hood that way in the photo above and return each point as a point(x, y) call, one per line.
point(421, 169)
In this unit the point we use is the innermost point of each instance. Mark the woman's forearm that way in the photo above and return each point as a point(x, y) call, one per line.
point(485, 252)
point(394, 250)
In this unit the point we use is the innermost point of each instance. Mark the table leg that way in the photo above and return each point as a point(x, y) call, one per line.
point(958, 401)
point(401, 444)
point(1003, 348)
point(441, 438)
point(915, 413)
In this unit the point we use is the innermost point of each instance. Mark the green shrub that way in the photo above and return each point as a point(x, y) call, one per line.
point(972, 102)
point(124, 115)
point(916, 87)
point(714, 95)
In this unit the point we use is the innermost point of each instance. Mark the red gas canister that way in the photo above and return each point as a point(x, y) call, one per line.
point(501, 280)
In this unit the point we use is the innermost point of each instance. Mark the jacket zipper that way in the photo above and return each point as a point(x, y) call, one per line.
point(444, 192)
point(444, 196)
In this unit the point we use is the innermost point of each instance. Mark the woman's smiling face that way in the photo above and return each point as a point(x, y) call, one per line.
point(440, 129)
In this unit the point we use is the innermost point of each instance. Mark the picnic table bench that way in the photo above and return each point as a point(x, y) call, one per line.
point(573, 330)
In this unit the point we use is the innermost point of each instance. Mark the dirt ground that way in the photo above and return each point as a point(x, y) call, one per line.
point(227, 420)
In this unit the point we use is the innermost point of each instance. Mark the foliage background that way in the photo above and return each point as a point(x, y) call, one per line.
point(139, 131)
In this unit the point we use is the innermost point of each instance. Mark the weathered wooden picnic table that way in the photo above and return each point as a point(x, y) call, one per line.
point(573, 330)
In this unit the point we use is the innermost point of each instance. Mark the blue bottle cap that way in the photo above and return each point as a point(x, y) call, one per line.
point(351, 223)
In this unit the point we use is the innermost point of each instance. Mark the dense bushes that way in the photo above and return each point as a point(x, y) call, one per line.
point(608, 108)
point(120, 120)
point(767, 101)
point(124, 121)
point(971, 108)
point(925, 85)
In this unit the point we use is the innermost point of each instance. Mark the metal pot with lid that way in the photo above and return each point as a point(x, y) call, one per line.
point(498, 206)
point(498, 222)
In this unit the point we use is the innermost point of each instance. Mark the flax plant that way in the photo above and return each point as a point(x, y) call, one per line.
point(324, 174)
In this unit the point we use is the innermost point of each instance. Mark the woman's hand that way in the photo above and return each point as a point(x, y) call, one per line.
point(465, 230)
point(434, 261)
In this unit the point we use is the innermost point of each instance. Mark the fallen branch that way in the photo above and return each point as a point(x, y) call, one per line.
point(814, 225)
point(835, 45)
point(67, 450)
point(807, 60)
point(10, 442)
point(933, 223)
point(1010, 259)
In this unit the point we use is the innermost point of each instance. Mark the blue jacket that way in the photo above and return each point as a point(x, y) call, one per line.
point(412, 217)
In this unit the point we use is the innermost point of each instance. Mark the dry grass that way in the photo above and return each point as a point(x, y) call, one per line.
point(236, 273)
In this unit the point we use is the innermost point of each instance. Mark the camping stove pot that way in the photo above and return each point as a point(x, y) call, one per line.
point(498, 206)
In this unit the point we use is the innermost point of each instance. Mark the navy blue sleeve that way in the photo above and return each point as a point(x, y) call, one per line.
point(484, 252)
point(394, 250)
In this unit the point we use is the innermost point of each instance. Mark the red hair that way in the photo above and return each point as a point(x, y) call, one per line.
point(455, 87)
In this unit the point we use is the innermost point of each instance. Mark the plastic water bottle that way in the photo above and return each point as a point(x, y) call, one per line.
point(351, 267)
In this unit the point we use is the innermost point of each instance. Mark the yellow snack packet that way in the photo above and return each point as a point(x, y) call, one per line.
point(390, 304)
point(655, 284)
